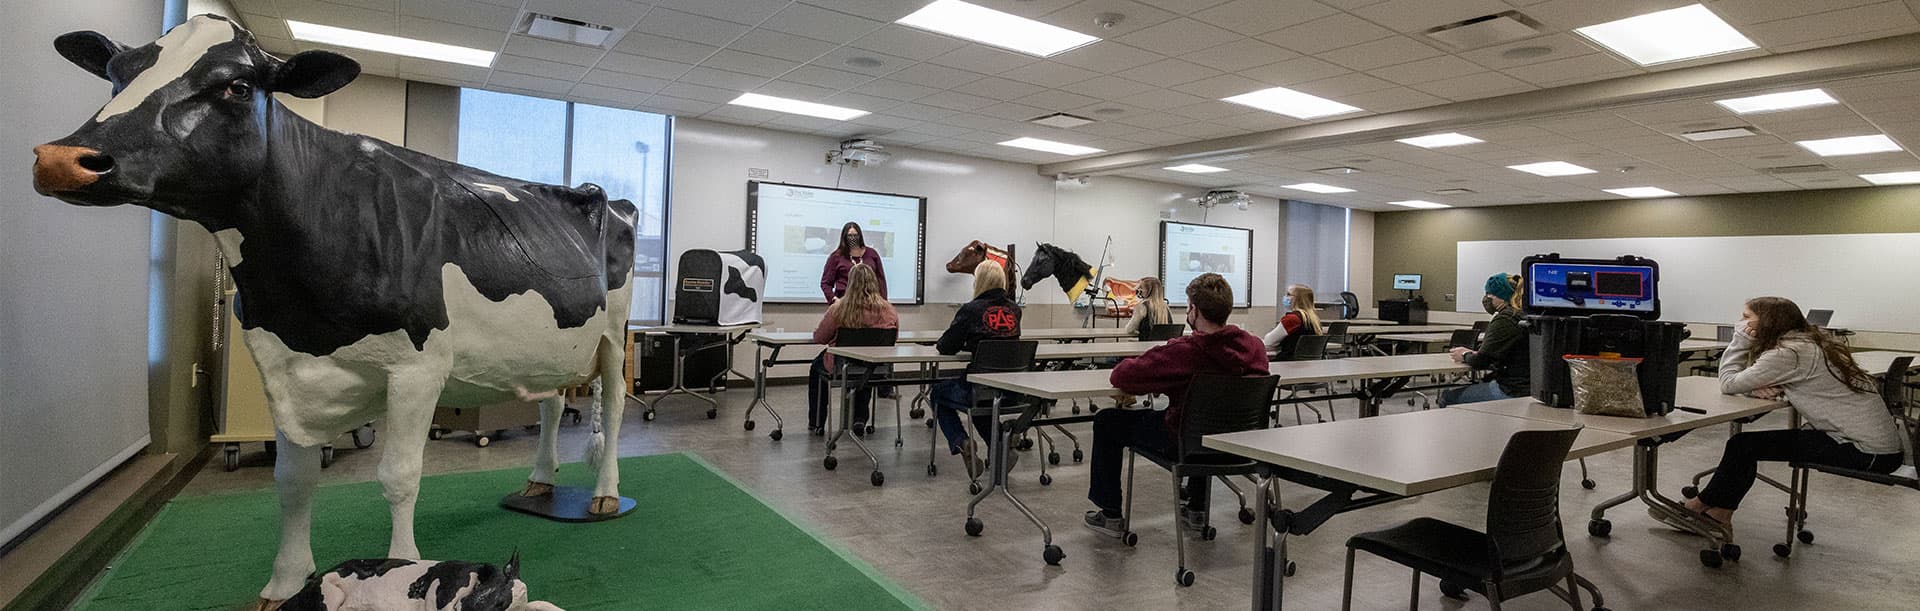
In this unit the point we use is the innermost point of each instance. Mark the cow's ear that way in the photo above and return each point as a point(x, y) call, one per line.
point(89, 50)
point(313, 74)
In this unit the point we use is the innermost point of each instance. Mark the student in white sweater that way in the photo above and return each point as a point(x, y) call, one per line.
point(1774, 353)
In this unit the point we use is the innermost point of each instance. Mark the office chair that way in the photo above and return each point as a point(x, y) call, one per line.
point(1339, 343)
point(1215, 404)
point(1480, 326)
point(856, 377)
point(1309, 348)
point(990, 356)
point(1819, 318)
point(1892, 388)
point(1350, 304)
point(1523, 549)
point(1157, 333)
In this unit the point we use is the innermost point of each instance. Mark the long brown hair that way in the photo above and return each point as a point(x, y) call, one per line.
point(1774, 317)
point(843, 249)
point(863, 296)
point(1303, 303)
point(1153, 297)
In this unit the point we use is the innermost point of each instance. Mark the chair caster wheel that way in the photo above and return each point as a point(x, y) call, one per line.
point(975, 527)
point(1184, 577)
point(1131, 538)
point(1600, 528)
point(482, 441)
point(932, 470)
point(1782, 550)
point(869, 429)
point(973, 487)
point(830, 462)
point(1053, 458)
point(775, 434)
point(1208, 533)
point(1078, 455)
point(1730, 551)
point(916, 413)
point(1292, 568)
point(1246, 515)
point(434, 433)
point(326, 455)
point(713, 413)
point(877, 478)
point(898, 443)
point(1452, 590)
point(1024, 445)
point(1409, 402)
point(363, 437)
point(1689, 492)
point(1805, 536)
point(647, 415)
point(929, 423)
point(748, 425)
point(1046, 480)
point(1588, 484)
point(1710, 558)
point(1053, 554)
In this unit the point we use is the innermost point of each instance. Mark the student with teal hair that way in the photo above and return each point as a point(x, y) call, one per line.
point(1503, 350)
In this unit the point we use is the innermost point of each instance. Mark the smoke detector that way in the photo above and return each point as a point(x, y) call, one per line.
point(858, 152)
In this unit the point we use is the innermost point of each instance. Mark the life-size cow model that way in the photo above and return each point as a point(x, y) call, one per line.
point(374, 282)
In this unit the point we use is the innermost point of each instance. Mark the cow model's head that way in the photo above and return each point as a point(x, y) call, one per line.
point(188, 124)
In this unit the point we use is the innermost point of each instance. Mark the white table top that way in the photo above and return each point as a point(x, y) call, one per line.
point(1686, 346)
point(1378, 329)
point(1094, 383)
point(1876, 362)
point(680, 328)
point(1402, 454)
point(927, 354)
point(1697, 392)
point(1361, 321)
point(794, 338)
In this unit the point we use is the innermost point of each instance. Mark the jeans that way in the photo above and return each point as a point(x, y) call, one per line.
point(1473, 393)
point(948, 399)
point(1741, 461)
point(820, 392)
point(1117, 429)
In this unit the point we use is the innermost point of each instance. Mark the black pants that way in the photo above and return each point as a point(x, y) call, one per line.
point(820, 390)
point(1739, 465)
point(1115, 430)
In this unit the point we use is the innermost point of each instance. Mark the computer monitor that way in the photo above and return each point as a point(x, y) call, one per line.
point(1406, 282)
point(1819, 318)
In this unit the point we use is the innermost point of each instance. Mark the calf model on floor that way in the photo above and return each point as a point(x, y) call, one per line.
point(374, 282)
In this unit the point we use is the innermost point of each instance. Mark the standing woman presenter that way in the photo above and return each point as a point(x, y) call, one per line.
point(853, 249)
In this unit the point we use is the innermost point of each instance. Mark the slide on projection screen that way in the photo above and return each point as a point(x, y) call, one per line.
point(795, 227)
point(1188, 250)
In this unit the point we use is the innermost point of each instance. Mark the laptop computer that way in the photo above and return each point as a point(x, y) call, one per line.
point(1819, 318)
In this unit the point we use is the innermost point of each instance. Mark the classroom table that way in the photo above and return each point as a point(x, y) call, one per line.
point(674, 334)
point(1399, 329)
point(1687, 346)
point(1876, 362)
point(1366, 462)
point(1361, 321)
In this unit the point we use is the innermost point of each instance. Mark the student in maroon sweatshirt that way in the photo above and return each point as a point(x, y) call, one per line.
point(1214, 348)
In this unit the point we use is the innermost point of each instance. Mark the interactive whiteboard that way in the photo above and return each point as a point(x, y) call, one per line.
point(794, 227)
point(1190, 249)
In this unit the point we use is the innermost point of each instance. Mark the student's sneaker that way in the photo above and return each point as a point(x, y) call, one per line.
point(1111, 526)
point(1675, 523)
point(970, 457)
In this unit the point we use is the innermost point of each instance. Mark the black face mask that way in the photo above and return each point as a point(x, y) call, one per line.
point(1487, 302)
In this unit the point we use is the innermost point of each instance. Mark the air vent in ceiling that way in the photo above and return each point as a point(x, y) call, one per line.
point(1061, 120)
point(1722, 133)
point(1798, 169)
point(562, 29)
point(1338, 171)
point(1452, 192)
point(1486, 31)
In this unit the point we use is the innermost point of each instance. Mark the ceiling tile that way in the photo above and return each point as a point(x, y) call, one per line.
point(622, 80)
point(606, 96)
point(869, 103)
point(1162, 99)
point(1108, 87)
point(795, 90)
point(1383, 52)
point(1296, 70)
point(999, 88)
point(1327, 33)
point(1556, 47)
point(781, 45)
point(1394, 99)
point(825, 77)
point(539, 67)
point(1107, 57)
point(883, 10)
point(554, 51)
point(1212, 109)
point(1239, 55)
point(982, 59)
point(702, 93)
point(340, 15)
point(819, 23)
point(1746, 12)
point(664, 48)
point(1418, 15)
point(907, 42)
point(1168, 73)
point(1049, 74)
point(758, 65)
point(1225, 85)
point(742, 11)
point(844, 58)
point(1858, 23)
point(643, 66)
point(688, 26)
point(932, 75)
point(1573, 69)
point(1013, 112)
point(723, 79)
point(954, 100)
point(898, 90)
point(1427, 70)
point(1570, 14)
point(1178, 36)
point(527, 82)
point(463, 12)
point(922, 112)
point(1079, 17)
point(442, 32)
point(615, 13)
point(1253, 17)
point(1058, 100)
point(1344, 85)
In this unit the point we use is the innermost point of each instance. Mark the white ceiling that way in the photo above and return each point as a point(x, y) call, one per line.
point(1163, 69)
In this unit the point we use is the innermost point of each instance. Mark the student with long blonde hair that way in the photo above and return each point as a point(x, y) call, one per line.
point(863, 307)
point(1151, 309)
point(1298, 319)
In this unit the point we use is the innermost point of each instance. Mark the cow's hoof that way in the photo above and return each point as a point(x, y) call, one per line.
point(536, 489)
point(267, 605)
point(604, 505)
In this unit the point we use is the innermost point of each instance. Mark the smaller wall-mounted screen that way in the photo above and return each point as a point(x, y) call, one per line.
point(1406, 282)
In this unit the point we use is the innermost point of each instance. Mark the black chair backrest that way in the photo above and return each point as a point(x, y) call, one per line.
point(866, 337)
point(1893, 385)
point(1723, 333)
point(1481, 325)
point(1309, 348)
point(1337, 328)
point(1464, 338)
point(1002, 356)
point(1160, 333)
point(1523, 508)
point(1223, 404)
point(1352, 303)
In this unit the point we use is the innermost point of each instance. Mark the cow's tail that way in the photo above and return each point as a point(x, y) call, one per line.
point(596, 442)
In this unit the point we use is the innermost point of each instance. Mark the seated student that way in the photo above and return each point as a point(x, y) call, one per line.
point(1775, 352)
point(863, 307)
point(1299, 320)
point(1503, 349)
point(1151, 309)
point(991, 315)
point(1214, 348)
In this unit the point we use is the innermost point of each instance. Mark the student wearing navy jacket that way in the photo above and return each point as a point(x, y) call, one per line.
point(992, 314)
point(1215, 347)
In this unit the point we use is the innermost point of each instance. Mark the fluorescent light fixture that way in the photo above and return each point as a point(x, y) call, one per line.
point(1893, 178)
point(987, 26)
point(1440, 140)
point(1315, 187)
point(797, 107)
point(1195, 168)
point(1851, 145)
point(1551, 168)
point(1050, 146)
point(395, 45)
point(1718, 134)
point(1641, 192)
point(1668, 36)
point(1779, 101)
point(1419, 203)
point(1291, 103)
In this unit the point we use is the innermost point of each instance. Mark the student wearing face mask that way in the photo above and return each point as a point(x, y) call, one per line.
point(1299, 320)
point(1503, 350)
point(852, 250)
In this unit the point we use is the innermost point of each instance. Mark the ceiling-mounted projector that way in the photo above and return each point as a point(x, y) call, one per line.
point(1223, 197)
point(858, 152)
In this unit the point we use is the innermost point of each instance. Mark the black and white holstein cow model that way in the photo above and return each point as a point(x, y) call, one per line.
point(374, 281)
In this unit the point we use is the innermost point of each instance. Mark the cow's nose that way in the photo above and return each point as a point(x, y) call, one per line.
point(59, 168)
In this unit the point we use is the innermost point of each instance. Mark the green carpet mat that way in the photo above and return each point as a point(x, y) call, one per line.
point(696, 541)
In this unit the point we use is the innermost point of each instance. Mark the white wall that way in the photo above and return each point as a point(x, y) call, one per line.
point(1360, 260)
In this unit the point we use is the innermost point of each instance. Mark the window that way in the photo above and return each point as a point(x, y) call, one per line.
point(556, 142)
point(1316, 248)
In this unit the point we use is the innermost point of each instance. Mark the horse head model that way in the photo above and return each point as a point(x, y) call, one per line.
point(374, 282)
point(1065, 267)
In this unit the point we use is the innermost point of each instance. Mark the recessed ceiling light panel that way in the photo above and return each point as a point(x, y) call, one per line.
point(1440, 140)
point(1196, 168)
point(1551, 168)
point(394, 45)
point(1641, 192)
point(987, 26)
point(1049, 146)
point(1419, 203)
point(1851, 145)
point(1282, 100)
point(1778, 101)
point(1668, 36)
point(1718, 134)
point(1893, 178)
point(1314, 187)
point(811, 109)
